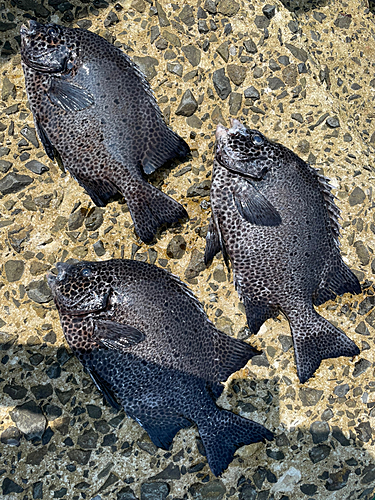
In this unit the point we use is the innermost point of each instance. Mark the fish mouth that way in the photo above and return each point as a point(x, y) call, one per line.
point(53, 279)
point(30, 28)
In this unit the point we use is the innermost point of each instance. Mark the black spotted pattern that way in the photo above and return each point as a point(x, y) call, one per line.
point(292, 260)
point(171, 376)
point(108, 129)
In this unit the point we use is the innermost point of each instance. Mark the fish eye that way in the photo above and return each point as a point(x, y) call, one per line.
point(52, 32)
point(257, 140)
point(86, 272)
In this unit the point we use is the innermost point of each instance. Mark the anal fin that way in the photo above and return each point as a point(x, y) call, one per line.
point(162, 429)
point(42, 134)
point(104, 388)
point(341, 280)
point(100, 191)
point(257, 314)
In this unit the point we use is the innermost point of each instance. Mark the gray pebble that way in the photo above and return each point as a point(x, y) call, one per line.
point(147, 65)
point(30, 134)
point(339, 436)
point(327, 414)
point(235, 101)
point(88, 440)
point(176, 247)
point(223, 51)
point(308, 489)
point(172, 471)
point(236, 73)
point(11, 436)
point(126, 493)
point(10, 486)
point(360, 367)
point(81, 457)
point(319, 431)
point(298, 53)
point(13, 183)
point(343, 20)
point(221, 83)
point(29, 419)
point(333, 122)
point(94, 219)
point(210, 6)
point(175, 68)
point(5, 166)
point(341, 390)
point(261, 22)
point(275, 83)
point(4, 151)
point(8, 89)
point(99, 248)
point(214, 490)
point(252, 93)
point(154, 491)
point(362, 253)
point(36, 167)
point(364, 431)
point(250, 46)
point(286, 342)
point(356, 197)
point(310, 396)
point(14, 270)
point(76, 219)
point(319, 453)
point(39, 292)
point(192, 53)
point(337, 480)
point(188, 104)
point(227, 7)
point(269, 11)
point(187, 15)
point(199, 189)
point(196, 265)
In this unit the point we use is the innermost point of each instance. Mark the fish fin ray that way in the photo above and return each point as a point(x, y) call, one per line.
point(100, 191)
point(68, 96)
point(254, 207)
point(162, 430)
point(257, 314)
point(151, 208)
point(213, 243)
point(172, 146)
point(104, 388)
point(115, 335)
point(315, 340)
point(224, 432)
point(44, 139)
point(233, 354)
point(341, 280)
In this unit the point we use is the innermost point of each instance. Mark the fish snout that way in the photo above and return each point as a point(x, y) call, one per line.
point(236, 125)
point(30, 30)
point(221, 131)
point(53, 279)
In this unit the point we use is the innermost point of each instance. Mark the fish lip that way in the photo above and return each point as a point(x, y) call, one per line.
point(53, 279)
point(31, 29)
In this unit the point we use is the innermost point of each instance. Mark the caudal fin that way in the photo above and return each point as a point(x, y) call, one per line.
point(151, 208)
point(315, 340)
point(224, 432)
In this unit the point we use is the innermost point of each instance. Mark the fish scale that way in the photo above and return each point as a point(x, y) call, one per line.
point(148, 345)
point(95, 112)
point(275, 220)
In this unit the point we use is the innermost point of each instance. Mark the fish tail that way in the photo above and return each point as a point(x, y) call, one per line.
point(223, 432)
point(316, 339)
point(151, 208)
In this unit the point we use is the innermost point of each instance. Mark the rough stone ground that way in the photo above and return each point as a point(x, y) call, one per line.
point(304, 74)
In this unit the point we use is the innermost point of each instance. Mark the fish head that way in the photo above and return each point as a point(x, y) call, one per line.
point(80, 288)
point(49, 48)
point(243, 151)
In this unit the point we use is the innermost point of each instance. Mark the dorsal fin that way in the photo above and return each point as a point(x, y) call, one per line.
point(329, 201)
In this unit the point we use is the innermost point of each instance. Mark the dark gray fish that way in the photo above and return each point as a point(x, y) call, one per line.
point(146, 340)
point(95, 112)
point(274, 218)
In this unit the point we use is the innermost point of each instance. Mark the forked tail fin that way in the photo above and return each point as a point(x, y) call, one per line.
point(224, 432)
point(316, 339)
point(151, 208)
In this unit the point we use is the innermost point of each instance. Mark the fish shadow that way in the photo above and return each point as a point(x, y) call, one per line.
point(105, 452)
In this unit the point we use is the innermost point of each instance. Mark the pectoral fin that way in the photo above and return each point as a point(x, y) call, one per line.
point(254, 207)
point(48, 146)
point(68, 96)
point(115, 335)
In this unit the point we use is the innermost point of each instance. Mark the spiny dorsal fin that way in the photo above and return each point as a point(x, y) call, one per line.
point(329, 200)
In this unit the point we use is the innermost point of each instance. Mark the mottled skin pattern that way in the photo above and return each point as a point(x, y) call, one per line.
point(145, 338)
point(274, 217)
point(95, 112)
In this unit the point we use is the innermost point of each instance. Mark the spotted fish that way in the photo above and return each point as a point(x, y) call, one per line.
point(146, 342)
point(274, 218)
point(95, 113)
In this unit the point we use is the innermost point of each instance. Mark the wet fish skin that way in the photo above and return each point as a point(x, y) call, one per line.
point(95, 113)
point(275, 220)
point(148, 344)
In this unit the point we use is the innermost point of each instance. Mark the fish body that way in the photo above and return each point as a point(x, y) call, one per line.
point(147, 343)
point(95, 112)
point(275, 219)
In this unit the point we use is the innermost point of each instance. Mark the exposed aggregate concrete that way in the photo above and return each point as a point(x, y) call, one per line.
point(302, 72)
